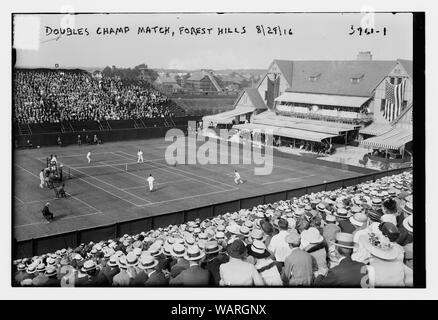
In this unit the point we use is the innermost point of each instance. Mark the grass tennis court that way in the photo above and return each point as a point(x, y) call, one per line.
point(113, 187)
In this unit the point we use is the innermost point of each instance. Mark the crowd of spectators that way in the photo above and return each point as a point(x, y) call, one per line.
point(359, 236)
point(62, 95)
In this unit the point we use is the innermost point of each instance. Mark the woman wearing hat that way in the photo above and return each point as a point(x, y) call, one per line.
point(237, 272)
point(264, 264)
point(384, 269)
point(313, 242)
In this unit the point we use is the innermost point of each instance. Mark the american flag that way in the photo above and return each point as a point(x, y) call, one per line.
point(394, 95)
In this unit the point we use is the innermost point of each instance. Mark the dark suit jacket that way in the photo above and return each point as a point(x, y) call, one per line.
point(157, 279)
point(348, 273)
point(109, 273)
point(346, 226)
point(193, 276)
point(139, 280)
point(213, 267)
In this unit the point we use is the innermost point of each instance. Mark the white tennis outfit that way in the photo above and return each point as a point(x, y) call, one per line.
point(151, 180)
point(41, 179)
point(237, 178)
point(139, 156)
point(88, 157)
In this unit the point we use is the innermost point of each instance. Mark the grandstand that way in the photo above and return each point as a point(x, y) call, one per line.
point(109, 223)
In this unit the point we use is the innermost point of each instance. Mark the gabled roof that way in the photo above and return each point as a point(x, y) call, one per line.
point(408, 66)
point(254, 96)
point(335, 76)
point(286, 68)
point(196, 76)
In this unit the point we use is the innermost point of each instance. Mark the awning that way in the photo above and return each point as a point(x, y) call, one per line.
point(227, 117)
point(323, 99)
point(376, 129)
point(333, 130)
point(393, 139)
point(286, 132)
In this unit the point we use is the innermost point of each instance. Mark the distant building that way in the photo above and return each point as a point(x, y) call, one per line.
point(167, 83)
point(203, 81)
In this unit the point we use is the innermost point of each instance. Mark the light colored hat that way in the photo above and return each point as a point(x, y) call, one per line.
point(178, 250)
point(147, 262)
point(131, 259)
point(155, 250)
point(89, 265)
point(330, 219)
point(344, 240)
point(41, 267)
point(212, 247)
point(342, 213)
point(379, 246)
point(359, 218)
point(51, 271)
point(193, 253)
point(257, 234)
point(244, 230)
point(312, 235)
point(219, 235)
point(113, 261)
point(408, 223)
point(122, 262)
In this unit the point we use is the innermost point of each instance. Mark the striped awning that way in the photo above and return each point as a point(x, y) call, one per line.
point(285, 132)
point(323, 99)
point(376, 129)
point(394, 139)
point(315, 127)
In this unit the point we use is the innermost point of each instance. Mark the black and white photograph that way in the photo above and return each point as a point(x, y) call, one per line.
point(211, 149)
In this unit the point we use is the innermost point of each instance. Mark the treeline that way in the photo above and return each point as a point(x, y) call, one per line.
point(128, 73)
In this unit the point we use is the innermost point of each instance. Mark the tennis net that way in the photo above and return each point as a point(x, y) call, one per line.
point(109, 169)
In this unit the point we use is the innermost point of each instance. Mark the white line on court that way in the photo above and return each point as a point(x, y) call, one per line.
point(19, 200)
point(102, 181)
point(109, 192)
point(158, 183)
point(189, 173)
point(188, 197)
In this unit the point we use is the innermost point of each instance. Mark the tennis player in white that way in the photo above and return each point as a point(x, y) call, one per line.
point(151, 180)
point(237, 178)
point(88, 156)
point(139, 156)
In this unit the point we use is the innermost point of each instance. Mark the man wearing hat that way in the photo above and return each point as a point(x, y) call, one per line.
point(110, 269)
point(122, 279)
point(278, 246)
point(213, 260)
point(40, 276)
point(21, 273)
point(194, 275)
point(347, 273)
point(51, 277)
point(406, 236)
point(95, 278)
point(178, 251)
point(156, 277)
point(237, 272)
point(298, 266)
point(264, 264)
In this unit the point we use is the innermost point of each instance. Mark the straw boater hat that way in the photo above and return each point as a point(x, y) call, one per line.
point(193, 253)
point(50, 271)
point(41, 267)
point(342, 213)
point(155, 250)
point(131, 259)
point(244, 231)
point(178, 250)
point(233, 228)
point(219, 235)
point(147, 262)
point(344, 240)
point(408, 223)
point(258, 250)
point(212, 246)
point(113, 261)
point(379, 246)
point(329, 218)
point(257, 234)
point(89, 265)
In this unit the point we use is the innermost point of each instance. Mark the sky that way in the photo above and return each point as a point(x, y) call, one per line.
point(315, 36)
